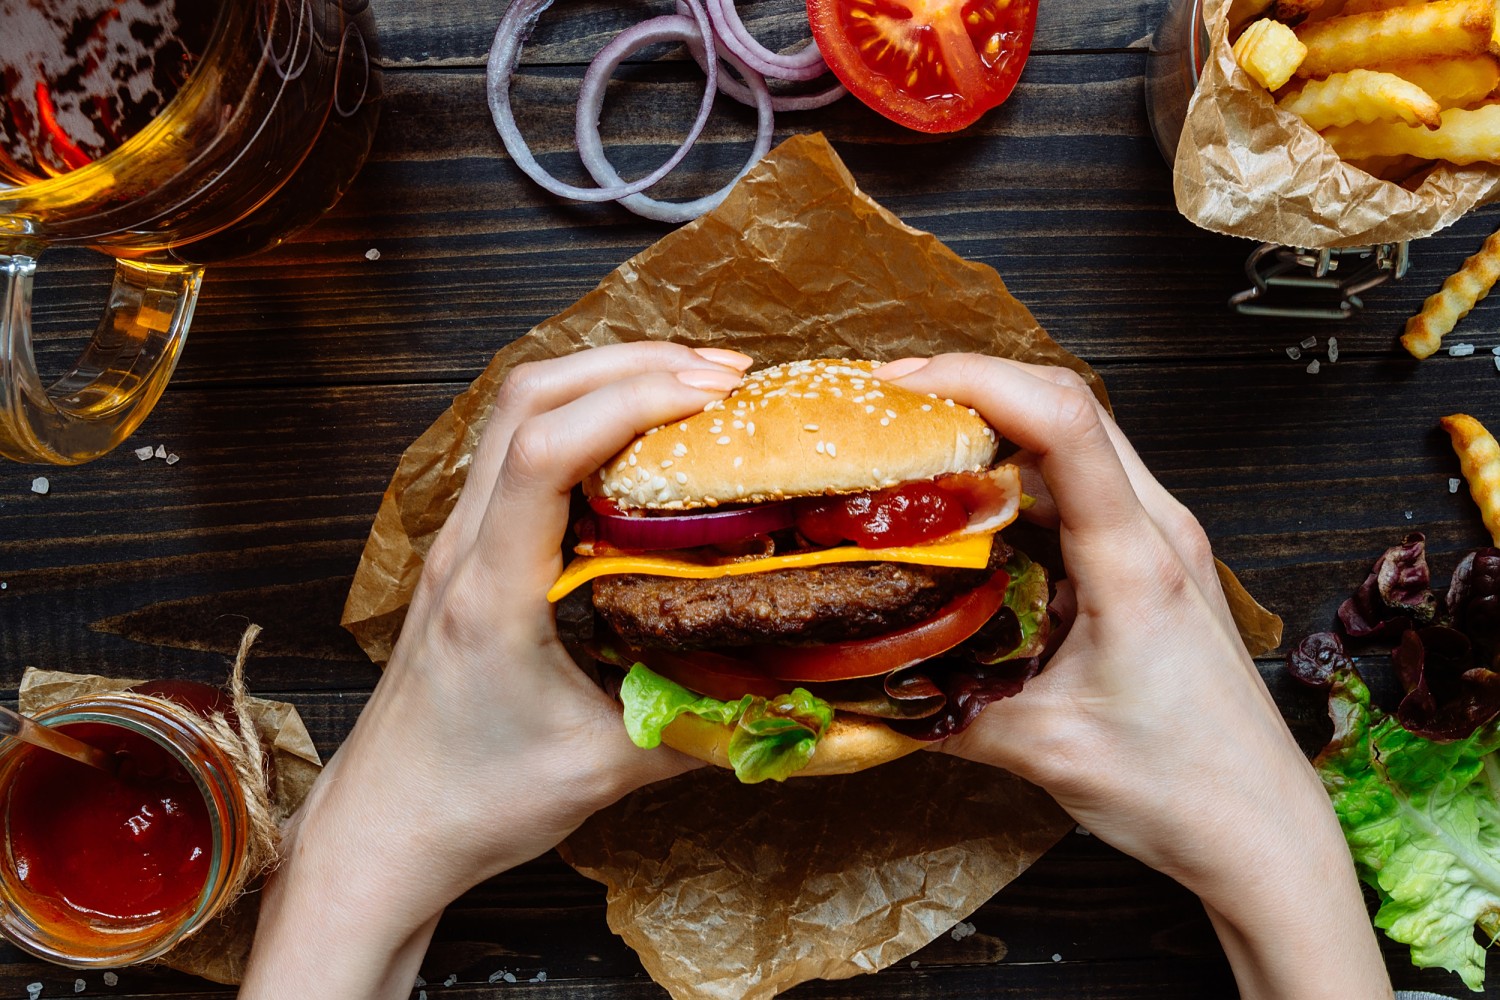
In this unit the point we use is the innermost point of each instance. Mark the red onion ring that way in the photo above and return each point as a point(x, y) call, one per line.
point(732, 88)
point(505, 55)
point(591, 102)
point(685, 531)
point(804, 64)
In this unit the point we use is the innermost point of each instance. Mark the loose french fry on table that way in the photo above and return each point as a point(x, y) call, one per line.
point(1453, 83)
point(1270, 52)
point(1362, 95)
point(1459, 294)
point(1479, 457)
point(1427, 31)
point(1462, 138)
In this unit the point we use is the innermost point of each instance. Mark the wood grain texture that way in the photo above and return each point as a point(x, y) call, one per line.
point(310, 368)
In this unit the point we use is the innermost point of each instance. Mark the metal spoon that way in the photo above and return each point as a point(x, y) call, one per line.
point(27, 730)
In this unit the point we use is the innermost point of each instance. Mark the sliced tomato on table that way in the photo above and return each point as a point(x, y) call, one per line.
point(932, 65)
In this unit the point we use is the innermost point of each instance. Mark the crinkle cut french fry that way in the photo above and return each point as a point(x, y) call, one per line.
point(1464, 137)
point(1269, 51)
point(1460, 293)
point(1479, 457)
point(1453, 83)
point(1426, 31)
point(1362, 96)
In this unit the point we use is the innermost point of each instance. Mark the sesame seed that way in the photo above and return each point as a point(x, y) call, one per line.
point(631, 460)
point(739, 461)
point(809, 427)
point(637, 446)
point(750, 428)
point(963, 439)
point(832, 451)
point(885, 421)
point(681, 478)
point(679, 449)
point(682, 427)
point(658, 483)
point(821, 449)
point(948, 401)
point(739, 425)
point(932, 395)
point(666, 463)
point(869, 409)
point(927, 407)
point(891, 414)
point(859, 399)
point(724, 439)
point(972, 413)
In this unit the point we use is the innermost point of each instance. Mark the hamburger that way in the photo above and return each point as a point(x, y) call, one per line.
point(807, 577)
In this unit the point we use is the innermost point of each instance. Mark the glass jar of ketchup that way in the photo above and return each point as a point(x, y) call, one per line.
point(107, 870)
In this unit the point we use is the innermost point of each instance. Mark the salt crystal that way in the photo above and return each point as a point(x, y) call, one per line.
point(1497, 362)
point(1406, 514)
point(421, 995)
point(33, 990)
point(1083, 833)
point(1460, 350)
point(509, 977)
point(540, 977)
point(502, 975)
point(110, 979)
point(962, 930)
point(1313, 366)
point(143, 452)
point(915, 963)
point(419, 983)
point(1310, 343)
point(3, 585)
point(1056, 958)
point(172, 459)
point(452, 979)
point(1294, 352)
point(1333, 349)
point(161, 451)
point(40, 485)
point(1495, 350)
point(372, 254)
point(1453, 485)
point(79, 985)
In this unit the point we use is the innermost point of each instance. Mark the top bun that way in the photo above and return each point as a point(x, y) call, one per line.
point(799, 429)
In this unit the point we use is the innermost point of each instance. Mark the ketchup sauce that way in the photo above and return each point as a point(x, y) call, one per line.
point(130, 847)
point(900, 515)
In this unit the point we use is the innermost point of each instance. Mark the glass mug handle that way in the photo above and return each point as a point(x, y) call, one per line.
point(117, 379)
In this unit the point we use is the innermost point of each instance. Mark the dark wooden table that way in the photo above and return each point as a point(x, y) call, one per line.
point(310, 368)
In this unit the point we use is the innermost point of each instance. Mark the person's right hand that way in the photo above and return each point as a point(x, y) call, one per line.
point(1150, 724)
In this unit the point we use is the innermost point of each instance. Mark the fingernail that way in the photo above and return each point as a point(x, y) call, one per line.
point(729, 359)
point(713, 381)
point(900, 368)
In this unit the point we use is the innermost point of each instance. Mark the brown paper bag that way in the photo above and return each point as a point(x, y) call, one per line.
point(1246, 168)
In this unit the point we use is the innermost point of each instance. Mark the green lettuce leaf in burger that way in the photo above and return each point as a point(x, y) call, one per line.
point(807, 577)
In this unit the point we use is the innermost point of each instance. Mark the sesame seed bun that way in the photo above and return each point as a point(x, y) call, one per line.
point(798, 429)
point(852, 743)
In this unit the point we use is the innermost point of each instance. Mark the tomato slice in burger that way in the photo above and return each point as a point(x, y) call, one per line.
point(841, 661)
point(932, 65)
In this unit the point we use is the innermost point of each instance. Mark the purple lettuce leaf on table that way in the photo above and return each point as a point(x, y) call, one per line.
point(1473, 602)
point(1447, 696)
point(1314, 660)
point(1396, 596)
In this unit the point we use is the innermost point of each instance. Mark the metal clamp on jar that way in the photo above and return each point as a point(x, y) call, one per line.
point(1284, 281)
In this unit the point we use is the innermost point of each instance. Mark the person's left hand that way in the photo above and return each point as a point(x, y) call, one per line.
point(484, 744)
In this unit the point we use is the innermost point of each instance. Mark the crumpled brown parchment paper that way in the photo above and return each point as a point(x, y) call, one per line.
point(731, 891)
point(220, 950)
point(1246, 168)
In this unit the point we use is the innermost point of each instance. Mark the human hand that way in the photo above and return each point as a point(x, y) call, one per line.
point(1151, 725)
point(483, 745)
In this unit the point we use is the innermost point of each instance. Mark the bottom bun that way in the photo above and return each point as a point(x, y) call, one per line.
point(850, 744)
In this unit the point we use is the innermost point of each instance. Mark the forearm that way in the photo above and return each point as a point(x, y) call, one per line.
point(1310, 939)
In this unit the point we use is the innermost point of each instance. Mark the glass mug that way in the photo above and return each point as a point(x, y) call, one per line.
point(168, 134)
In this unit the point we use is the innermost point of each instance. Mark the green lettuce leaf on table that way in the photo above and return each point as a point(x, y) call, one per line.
point(1422, 819)
point(773, 737)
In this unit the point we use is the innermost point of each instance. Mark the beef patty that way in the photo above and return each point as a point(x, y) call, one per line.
point(816, 604)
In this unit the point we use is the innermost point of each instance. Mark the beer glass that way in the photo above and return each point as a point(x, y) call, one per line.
point(168, 134)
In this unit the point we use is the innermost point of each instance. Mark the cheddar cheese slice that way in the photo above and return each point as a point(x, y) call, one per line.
point(968, 552)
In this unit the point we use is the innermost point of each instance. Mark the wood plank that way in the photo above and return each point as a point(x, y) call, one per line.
point(451, 35)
